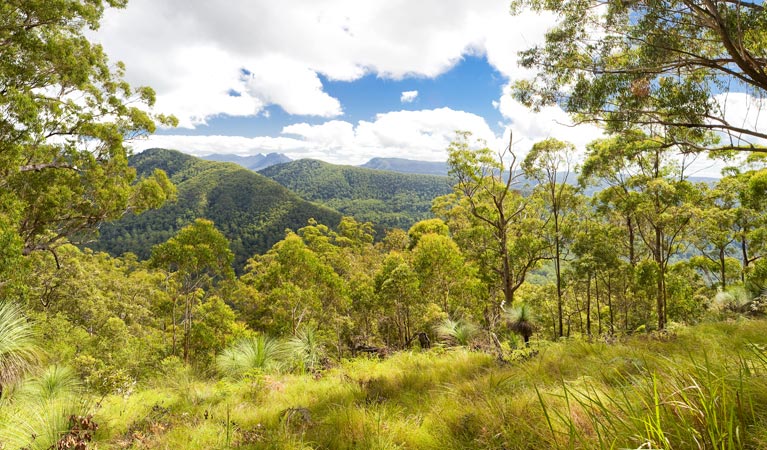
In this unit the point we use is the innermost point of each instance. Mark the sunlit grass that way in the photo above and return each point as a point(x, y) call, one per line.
point(703, 387)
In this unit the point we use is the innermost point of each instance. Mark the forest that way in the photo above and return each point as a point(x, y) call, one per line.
point(549, 300)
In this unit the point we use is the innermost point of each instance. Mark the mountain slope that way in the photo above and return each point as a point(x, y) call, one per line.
point(408, 166)
point(387, 199)
point(250, 209)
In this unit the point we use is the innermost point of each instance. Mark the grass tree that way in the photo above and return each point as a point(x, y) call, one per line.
point(18, 349)
point(520, 321)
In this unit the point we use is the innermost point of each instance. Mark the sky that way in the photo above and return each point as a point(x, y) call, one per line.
point(338, 80)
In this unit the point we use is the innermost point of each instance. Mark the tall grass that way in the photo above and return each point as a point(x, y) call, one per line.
point(703, 388)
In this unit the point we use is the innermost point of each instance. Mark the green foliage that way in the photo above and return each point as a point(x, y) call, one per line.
point(66, 112)
point(256, 354)
point(306, 350)
point(459, 332)
point(18, 349)
point(652, 65)
point(701, 385)
point(252, 211)
point(387, 199)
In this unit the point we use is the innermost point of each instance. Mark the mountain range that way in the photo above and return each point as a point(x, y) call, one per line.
point(253, 162)
point(254, 209)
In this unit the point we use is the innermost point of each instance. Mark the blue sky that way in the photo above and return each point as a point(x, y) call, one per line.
point(337, 80)
point(472, 85)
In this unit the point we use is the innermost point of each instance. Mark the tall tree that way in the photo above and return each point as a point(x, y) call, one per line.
point(550, 163)
point(196, 259)
point(65, 113)
point(660, 62)
point(656, 196)
point(487, 185)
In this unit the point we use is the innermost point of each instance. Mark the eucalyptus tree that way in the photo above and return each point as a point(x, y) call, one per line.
point(65, 115)
point(715, 233)
point(667, 63)
point(551, 164)
point(196, 259)
point(658, 200)
point(491, 219)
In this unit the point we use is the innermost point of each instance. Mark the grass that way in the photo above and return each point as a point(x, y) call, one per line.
point(704, 387)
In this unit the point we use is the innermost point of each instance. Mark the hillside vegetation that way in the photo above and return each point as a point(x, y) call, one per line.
point(699, 387)
point(251, 210)
point(388, 199)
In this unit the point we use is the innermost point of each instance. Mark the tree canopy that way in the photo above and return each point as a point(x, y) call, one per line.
point(669, 64)
point(65, 114)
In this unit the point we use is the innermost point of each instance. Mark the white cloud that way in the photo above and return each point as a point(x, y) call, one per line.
point(550, 122)
point(408, 96)
point(422, 135)
point(191, 51)
point(743, 111)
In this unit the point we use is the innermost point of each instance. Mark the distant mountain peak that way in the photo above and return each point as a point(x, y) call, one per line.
point(255, 162)
point(403, 165)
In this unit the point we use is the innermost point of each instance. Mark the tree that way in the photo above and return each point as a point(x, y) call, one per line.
point(546, 162)
point(196, 259)
point(485, 183)
point(658, 199)
point(444, 275)
point(397, 287)
point(65, 114)
point(298, 286)
point(658, 62)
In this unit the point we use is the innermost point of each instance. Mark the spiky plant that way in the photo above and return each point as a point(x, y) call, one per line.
point(39, 412)
point(54, 382)
point(259, 353)
point(18, 350)
point(459, 332)
point(520, 320)
point(306, 349)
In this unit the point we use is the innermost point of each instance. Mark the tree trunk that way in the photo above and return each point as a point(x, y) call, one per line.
point(610, 303)
point(588, 305)
point(744, 252)
point(599, 307)
point(723, 268)
point(660, 300)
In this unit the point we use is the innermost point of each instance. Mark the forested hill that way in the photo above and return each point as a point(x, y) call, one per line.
point(408, 166)
point(388, 199)
point(250, 209)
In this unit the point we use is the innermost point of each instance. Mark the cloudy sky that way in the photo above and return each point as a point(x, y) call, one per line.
point(337, 80)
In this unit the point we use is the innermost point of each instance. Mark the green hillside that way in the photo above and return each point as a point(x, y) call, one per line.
point(250, 209)
point(388, 199)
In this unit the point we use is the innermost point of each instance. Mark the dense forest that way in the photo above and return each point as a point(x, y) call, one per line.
point(515, 316)
point(385, 198)
point(251, 210)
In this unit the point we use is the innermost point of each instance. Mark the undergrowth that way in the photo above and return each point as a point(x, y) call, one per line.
point(704, 387)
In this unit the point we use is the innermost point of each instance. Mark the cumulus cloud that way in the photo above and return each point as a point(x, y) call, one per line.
point(192, 51)
point(408, 96)
point(550, 122)
point(422, 135)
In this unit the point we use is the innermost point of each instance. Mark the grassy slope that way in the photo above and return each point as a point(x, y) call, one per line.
point(705, 387)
